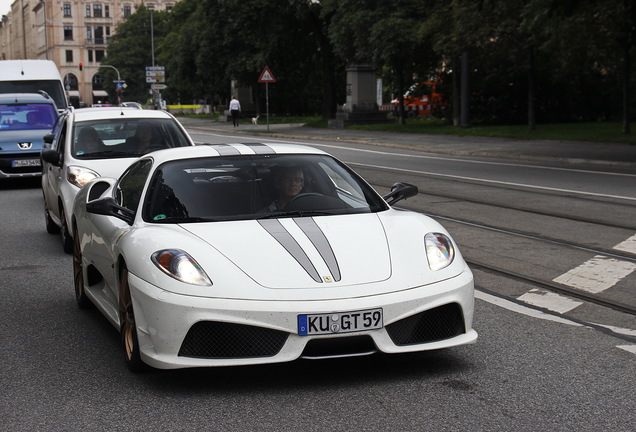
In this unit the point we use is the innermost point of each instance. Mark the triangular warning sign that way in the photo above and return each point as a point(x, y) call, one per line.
point(266, 76)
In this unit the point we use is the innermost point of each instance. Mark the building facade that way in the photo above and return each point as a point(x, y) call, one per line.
point(69, 32)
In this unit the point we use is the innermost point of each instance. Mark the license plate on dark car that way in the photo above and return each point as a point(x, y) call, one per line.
point(339, 322)
point(19, 163)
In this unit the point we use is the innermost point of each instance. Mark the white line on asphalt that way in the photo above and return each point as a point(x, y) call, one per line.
point(495, 182)
point(597, 274)
point(411, 156)
point(515, 307)
point(549, 300)
point(628, 348)
point(628, 245)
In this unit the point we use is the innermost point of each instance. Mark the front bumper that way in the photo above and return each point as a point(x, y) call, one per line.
point(177, 331)
point(8, 170)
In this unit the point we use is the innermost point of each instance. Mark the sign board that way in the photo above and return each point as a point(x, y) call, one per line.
point(155, 68)
point(266, 76)
point(158, 86)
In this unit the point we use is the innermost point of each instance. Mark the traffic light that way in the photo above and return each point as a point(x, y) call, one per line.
point(81, 65)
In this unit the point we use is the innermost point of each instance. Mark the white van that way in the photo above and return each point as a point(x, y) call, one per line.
point(31, 76)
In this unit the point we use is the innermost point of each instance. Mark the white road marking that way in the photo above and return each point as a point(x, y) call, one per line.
point(597, 274)
point(515, 307)
point(570, 191)
point(628, 245)
point(549, 300)
point(618, 330)
point(628, 348)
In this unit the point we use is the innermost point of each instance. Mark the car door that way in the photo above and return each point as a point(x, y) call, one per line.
point(108, 231)
point(52, 175)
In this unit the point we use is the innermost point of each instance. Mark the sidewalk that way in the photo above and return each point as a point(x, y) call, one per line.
point(563, 152)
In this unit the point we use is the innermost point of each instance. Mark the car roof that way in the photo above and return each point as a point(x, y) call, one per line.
point(231, 149)
point(117, 112)
point(10, 98)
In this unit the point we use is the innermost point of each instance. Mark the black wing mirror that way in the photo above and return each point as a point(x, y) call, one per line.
point(49, 138)
point(52, 157)
point(109, 207)
point(400, 191)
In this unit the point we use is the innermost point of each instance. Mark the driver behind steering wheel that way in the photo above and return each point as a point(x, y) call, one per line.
point(289, 183)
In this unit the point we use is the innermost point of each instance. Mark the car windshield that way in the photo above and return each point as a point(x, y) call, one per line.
point(256, 187)
point(27, 116)
point(113, 138)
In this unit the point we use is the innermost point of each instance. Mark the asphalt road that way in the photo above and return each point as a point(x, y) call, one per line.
point(530, 370)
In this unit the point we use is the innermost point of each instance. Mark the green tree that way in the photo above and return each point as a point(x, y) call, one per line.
point(130, 51)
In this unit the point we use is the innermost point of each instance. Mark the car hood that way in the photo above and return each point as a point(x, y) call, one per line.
point(9, 140)
point(303, 252)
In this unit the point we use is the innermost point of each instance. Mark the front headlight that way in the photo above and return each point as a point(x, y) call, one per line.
point(439, 250)
point(181, 266)
point(79, 176)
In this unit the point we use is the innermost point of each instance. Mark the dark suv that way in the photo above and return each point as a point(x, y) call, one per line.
point(24, 120)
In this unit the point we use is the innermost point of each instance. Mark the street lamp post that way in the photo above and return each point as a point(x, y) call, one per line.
point(152, 33)
point(119, 81)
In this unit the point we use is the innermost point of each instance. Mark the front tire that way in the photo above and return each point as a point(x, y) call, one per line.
point(78, 275)
point(51, 228)
point(129, 339)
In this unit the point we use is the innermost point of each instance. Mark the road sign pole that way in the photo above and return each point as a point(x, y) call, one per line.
point(267, 104)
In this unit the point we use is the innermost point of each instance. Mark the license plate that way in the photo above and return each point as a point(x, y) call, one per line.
point(18, 163)
point(339, 322)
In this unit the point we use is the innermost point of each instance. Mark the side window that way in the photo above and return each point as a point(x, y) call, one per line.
point(132, 183)
point(60, 136)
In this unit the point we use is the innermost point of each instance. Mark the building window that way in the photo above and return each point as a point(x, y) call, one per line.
point(99, 55)
point(99, 35)
point(67, 9)
point(107, 33)
point(88, 10)
point(68, 32)
point(89, 33)
point(97, 10)
point(127, 11)
point(98, 82)
point(69, 56)
point(90, 56)
point(107, 11)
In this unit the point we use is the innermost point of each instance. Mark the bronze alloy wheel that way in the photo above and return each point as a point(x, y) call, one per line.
point(78, 274)
point(128, 326)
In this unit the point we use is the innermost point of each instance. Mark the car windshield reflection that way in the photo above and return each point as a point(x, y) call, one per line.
point(256, 187)
point(113, 138)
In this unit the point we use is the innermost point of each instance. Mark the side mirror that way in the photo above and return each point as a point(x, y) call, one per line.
point(400, 191)
point(109, 207)
point(49, 138)
point(52, 157)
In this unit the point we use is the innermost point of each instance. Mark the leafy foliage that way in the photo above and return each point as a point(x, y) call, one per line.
point(566, 60)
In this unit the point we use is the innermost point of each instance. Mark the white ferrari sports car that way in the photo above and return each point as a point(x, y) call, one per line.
point(241, 254)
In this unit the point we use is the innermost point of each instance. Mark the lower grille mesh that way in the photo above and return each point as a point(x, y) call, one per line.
point(210, 339)
point(443, 322)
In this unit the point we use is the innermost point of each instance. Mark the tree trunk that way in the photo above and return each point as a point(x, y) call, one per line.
point(456, 91)
point(465, 109)
point(626, 73)
point(531, 91)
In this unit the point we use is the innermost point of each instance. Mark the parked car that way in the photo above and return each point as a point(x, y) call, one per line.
point(24, 120)
point(93, 142)
point(242, 254)
point(132, 105)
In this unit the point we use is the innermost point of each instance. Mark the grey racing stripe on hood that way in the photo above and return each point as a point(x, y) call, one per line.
point(225, 149)
point(278, 231)
point(320, 242)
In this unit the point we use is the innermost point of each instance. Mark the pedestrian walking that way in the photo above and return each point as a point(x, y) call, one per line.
point(235, 109)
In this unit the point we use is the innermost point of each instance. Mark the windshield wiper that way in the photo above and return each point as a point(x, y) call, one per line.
point(293, 213)
point(109, 153)
point(176, 220)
